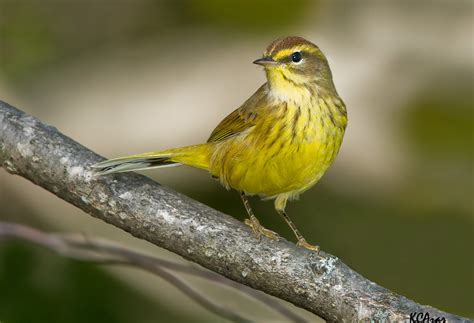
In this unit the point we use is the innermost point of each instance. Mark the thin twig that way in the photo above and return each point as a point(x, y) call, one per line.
point(132, 256)
point(100, 251)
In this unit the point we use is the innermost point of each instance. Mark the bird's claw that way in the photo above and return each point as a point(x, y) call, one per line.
point(302, 243)
point(259, 230)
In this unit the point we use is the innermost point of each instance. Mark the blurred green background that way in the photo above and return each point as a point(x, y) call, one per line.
point(124, 77)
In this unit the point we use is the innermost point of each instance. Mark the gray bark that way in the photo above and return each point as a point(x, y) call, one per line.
point(320, 283)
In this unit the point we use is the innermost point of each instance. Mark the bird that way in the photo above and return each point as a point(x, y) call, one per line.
point(277, 144)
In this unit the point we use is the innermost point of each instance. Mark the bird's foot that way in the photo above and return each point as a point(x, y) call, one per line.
point(259, 230)
point(302, 243)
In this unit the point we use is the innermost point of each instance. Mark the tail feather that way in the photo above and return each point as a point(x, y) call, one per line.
point(195, 156)
point(127, 165)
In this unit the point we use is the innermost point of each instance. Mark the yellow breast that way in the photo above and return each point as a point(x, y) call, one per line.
point(288, 149)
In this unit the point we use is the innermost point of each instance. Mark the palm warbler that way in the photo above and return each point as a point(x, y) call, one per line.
point(277, 144)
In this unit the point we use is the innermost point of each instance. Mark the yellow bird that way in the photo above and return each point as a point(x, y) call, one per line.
point(277, 144)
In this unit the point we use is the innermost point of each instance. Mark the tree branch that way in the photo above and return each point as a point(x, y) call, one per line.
point(320, 283)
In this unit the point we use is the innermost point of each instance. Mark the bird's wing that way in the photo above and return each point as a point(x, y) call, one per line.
point(242, 118)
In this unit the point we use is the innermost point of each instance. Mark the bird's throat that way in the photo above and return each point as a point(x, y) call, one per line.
point(283, 89)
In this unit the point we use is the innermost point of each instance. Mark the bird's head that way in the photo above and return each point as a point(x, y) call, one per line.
point(292, 63)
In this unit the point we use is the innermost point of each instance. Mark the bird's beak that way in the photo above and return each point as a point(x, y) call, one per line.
point(265, 61)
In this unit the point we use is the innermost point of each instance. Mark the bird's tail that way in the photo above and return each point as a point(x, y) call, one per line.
point(195, 156)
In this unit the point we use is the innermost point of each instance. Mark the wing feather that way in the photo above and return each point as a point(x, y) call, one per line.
point(241, 119)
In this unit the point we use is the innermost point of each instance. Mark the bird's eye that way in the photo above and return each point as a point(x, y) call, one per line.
point(296, 57)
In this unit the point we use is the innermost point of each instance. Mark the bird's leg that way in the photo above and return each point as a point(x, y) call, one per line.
point(253, 222)
point(301, 241)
